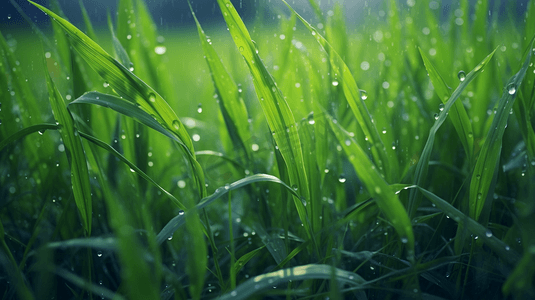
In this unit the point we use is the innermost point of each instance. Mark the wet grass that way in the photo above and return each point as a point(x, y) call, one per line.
point(305, 159)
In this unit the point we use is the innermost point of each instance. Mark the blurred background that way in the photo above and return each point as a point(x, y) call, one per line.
point(174, 14)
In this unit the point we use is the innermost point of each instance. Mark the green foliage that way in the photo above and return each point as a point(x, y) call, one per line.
point(317, 160)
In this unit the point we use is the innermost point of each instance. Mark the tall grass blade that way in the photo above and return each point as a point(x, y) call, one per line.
point(457, 114)
point(420, 174)
point(230, 102)
point(387, 201)
point(75, 152)
point(487, 162)
point(278, 114)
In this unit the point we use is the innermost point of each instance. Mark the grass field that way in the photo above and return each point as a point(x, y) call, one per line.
point(304, 159)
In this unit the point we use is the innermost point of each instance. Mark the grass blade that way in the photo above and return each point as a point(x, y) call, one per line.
point(278, 114)
point(420, 174)
point(230, 102)
point(75, 152)
point(254, 285)
point(387, 201)
point(489, 155)
point(458, 115)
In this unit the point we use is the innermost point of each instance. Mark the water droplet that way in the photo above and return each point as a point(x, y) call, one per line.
point(310, 119)
point(181, 184)
point(363, 94)
point(479, 196)
point(196, 137)
point(129, 37)
point(377, 190)
point(507, 248)
point(241, 48)
point(342, 178)
point(99, 253)
point(170, 237)
point(199, 108)
point(255, 147)
point(436, 116)
point(152, 97)
point(176, 124)
point(488, 233)
point(441, 106)
point(9, 16)
point(404, 240)
point(181, 212)
point(461, 75)
point(326, 171)
point(160, 50)
point(335, 83)
point(511, 89)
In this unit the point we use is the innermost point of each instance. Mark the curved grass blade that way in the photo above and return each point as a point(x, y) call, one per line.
point(245, 259)
point(138, 171)
point(387, 201)
point(179, 220)
point(277, 111)
point(503, 250)
point(231, 104)
point(256, 284)
point(458, 115)
point(387, 163)
point(75, 152)
point(420, 174)
point(102, 243)
point(27, 131)
point(130, 87)
point(489, 156)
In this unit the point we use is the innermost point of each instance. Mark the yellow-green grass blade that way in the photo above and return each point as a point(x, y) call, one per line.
point(259, 283)
point(179, 220)
point(130, 87)
point(238, 265)
point(230, 102)
point(499, 247)
point(487, 162)
point(75, 152)
point(387, 201)
point(87, 22)
point(420, 174)
point(457, 114)
point(278, 114)
point(388, 164)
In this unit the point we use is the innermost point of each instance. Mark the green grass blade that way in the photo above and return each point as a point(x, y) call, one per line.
point(242, 261)
point(256, 284)
point(387, 163)
point(387, 201)
point(278, 114)
point(457, 114)
point(26, 131)
point(230, 102)
point(130, 87)
point(489, 155)
point(420, 174)
point(73, 145)
point(179, 220)
point(503, 250)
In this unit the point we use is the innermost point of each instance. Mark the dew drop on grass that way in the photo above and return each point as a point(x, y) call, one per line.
point(176, 124)
point(404, 240)
point(170, 237)
point(152, 97)
point(436, 116)
point(181, 184)
point(196, 137)
point(342, 179)
point(181, 212)
point(99, 253)
point(511, 89)
point(160, 50)
point(310, 119)
point(255, 147)
point(441, 107)
point(335, 83)
point(363, 94)
point(241, 48)
point(461, 75)
point(488, 233)
point(199, 108)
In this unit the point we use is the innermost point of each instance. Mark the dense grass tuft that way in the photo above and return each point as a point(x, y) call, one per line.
point(304, 159)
